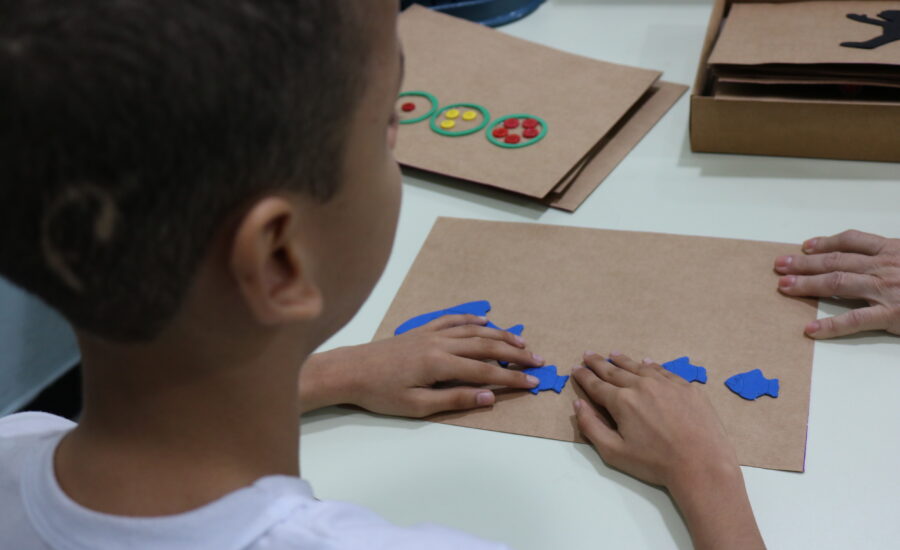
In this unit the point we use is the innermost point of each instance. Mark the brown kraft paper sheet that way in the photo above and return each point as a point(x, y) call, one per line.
point(802, 33)
point(581, 99)
point(644, 294)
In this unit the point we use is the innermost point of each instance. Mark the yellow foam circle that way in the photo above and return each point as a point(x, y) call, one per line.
point(469, 115)
point(447, 124)
point(452, 113)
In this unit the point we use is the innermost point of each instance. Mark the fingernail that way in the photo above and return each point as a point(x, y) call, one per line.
point(813, 327)
point(648, 361)
point(538, 359)
point(810, 245)
point(783, 262)
point(589, 353)
point(787, 281)
point(520, 340)
point(482, 319)
point(614, 353)
point(532, 380)
point(484, 398)
point(576, 367)
point(576, 405)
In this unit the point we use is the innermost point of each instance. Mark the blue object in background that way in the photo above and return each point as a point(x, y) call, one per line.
point(752, 384)
point(683, 368)
point(548, 377)
point(492, 13)
point(37, 346)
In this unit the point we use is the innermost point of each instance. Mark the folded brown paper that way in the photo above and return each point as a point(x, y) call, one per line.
point(581, 99)
point(645, 294)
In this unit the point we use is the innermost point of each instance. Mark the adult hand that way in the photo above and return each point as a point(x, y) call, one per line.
point(403, 375)
point(851, 264)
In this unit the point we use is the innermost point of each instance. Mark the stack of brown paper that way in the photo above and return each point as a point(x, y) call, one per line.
point(644, 294)
point(595, 112)
point(824, 50)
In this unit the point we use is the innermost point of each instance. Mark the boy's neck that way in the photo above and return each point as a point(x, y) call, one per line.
point(169, 427)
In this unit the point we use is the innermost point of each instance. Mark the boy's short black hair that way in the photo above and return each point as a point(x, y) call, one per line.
point(131, 129)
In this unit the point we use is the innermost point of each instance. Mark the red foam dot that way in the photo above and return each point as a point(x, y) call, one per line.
point(511, 123)
point(529, 123)
point(499, 132)
point(407, 107)
point(512, 138)
point(530, 132)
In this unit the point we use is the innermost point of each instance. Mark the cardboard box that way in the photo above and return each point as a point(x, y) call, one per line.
point(849, 129)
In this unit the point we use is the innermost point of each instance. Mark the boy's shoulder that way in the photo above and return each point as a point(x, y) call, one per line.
point(276, 512)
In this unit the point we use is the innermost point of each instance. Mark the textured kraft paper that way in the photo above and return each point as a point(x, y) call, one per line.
point(613, 148)
point(644, 294)
point(802, 33)
point(581, 99)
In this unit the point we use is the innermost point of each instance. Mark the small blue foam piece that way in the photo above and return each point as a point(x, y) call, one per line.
point(549, 380)
point(683, 368)
point(752, 384)
point(516, 329)
point(479, 308)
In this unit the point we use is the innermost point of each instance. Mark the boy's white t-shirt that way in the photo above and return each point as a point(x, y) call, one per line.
point(275, 512)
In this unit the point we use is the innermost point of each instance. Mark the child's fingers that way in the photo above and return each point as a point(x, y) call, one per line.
point(856, 320)
point(471, 371)
point(427, 401)
point(648, 366)
point(838, 283)
point(478, 331)
point(450, 321)
point(609, 372)
point(848, 241)
point(823, 263)
point(492, 349)
point(600, 392)
point(605, 439)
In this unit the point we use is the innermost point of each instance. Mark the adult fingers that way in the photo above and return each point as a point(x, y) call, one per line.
point(489, 348)
point(428, 401)
point(838, 283)
point(823, 263)
point(847, 241)
point(620, 372)
point(605, 439)
point(478, 331)
point(600, 392)
point(481, 373)
point(449, 321)
point(857, 320)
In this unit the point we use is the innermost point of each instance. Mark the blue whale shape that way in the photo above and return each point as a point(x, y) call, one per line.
point(479, 308)
point(752, 384)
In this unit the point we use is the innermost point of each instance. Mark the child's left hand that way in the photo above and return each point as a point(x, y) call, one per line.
point(397, 376)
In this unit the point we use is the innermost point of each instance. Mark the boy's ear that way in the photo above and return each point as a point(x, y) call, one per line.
point(267, 261)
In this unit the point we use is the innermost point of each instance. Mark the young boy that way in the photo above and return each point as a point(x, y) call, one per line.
point(206, 190)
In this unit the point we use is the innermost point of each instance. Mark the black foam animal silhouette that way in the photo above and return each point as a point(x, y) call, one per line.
point(890, 26)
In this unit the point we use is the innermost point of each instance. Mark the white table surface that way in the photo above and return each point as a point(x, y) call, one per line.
point(536, 494)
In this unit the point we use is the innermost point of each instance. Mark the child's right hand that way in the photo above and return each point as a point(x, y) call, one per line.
point(667, 433)
point(666, 429)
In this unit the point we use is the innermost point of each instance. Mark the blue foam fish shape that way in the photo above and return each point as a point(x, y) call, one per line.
point(683, 368)
point(549, 380)
point(752, 384)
